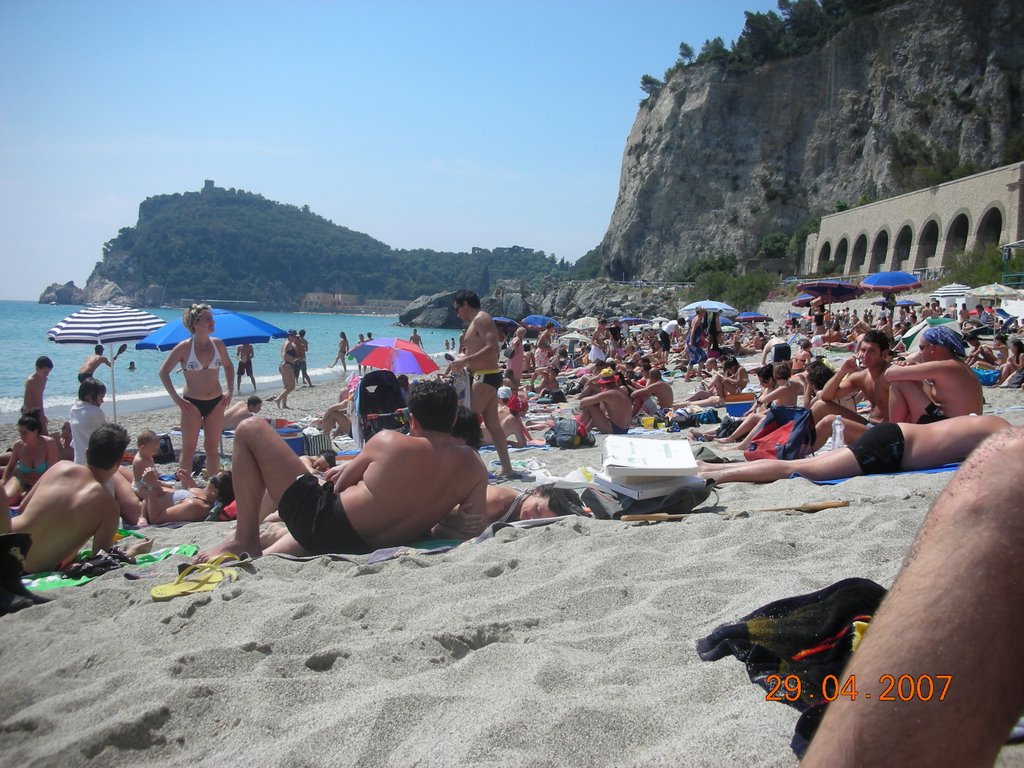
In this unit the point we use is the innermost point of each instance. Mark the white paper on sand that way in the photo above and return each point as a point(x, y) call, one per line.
point(651, 487)
point(638, 459)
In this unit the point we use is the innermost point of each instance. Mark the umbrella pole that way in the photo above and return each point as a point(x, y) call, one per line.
point(113, 387)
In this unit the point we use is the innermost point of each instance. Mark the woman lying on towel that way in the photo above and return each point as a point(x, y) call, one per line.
point(188, 504)
point(883, 449)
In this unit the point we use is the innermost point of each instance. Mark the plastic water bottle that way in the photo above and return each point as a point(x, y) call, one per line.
point(837, 433)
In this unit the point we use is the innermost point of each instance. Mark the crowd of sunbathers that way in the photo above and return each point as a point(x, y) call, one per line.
point(887, 398)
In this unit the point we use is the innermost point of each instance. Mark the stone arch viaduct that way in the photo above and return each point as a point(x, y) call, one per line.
point(915, 232)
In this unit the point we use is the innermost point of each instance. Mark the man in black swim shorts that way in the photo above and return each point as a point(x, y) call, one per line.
point(882, 449)
point(394, 492)
point(879, 451)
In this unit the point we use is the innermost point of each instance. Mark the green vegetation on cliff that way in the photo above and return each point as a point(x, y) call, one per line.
point(231, 244)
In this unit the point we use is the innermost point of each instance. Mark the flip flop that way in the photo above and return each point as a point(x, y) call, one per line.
point(201, 577)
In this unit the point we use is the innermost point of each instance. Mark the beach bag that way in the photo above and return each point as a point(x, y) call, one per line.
point(165, 452)
point(987, 377)
point(568, 433)
point(784, 433)
point(315, 442)
point(729, 425)
point(708, 416)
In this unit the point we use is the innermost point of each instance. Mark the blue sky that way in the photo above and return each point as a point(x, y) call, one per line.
point(445, 125)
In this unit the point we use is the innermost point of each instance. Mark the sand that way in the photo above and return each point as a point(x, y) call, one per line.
point(571, 644)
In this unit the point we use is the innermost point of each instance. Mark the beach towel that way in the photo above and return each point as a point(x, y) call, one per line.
point(932, 471)
point(810, 636)
point(45, 580)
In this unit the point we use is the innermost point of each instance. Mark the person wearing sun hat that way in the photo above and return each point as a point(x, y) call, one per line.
point(934, 383)
point(610, 410)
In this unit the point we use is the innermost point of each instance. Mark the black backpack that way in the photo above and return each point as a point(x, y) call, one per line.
point(165, 453)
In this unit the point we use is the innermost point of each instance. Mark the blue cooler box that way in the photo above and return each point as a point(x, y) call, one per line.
point(739, 407)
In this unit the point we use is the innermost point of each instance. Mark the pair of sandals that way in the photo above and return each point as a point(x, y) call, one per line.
point(100, 563)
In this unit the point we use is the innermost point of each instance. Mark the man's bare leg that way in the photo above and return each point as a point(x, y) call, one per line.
point(950, 596)
point(907, 401)
point(595, 418)
point(829, 466)
point(485, 397)
point(261, 462)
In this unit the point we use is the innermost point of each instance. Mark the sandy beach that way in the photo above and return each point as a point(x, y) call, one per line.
point(570, 644)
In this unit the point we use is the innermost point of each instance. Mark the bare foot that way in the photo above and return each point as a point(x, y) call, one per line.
point(272, 533)
point(234, 546)
point(140, 547)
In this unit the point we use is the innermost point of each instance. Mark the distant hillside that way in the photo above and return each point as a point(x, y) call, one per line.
point(231, 244)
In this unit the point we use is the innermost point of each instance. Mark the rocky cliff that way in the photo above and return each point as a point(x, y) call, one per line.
point(716, 160)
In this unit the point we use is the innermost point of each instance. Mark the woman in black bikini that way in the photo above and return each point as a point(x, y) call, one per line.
point(289, 354)
point(202, 401)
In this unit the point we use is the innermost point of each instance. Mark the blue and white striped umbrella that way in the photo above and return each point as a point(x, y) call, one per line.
point(108, 324)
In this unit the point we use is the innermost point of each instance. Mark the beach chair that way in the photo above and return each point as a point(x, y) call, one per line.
point(379, 405)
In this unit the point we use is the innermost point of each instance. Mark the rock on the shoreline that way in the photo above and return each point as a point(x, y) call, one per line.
point(68, 293)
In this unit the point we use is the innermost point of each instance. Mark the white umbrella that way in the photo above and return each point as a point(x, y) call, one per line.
point(583, 324)
point(107, 324)
point(574, 336)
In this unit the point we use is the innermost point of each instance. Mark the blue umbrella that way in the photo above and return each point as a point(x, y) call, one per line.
point(505, 321)
point(831, 291)
point(752, 317)
point(890, 282)
point(631, 320)
point(231, 327)
point(539, 321)
point(793, 315)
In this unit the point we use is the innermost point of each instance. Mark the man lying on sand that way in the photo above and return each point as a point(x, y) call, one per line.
point(393, 492)
point(70, 504)
point(881, 450)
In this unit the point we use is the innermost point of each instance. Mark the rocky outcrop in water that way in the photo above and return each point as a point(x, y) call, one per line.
point(68, 293)
point(565, 301)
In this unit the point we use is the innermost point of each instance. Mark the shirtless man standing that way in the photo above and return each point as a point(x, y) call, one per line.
point(92, 362)
point(244, 353)
point(482, 343)
point(934, 383)
point(69, 504)
point(34, 386)
point(415, 338)
point(360, 507)
point(860, 376)
point(610, 410)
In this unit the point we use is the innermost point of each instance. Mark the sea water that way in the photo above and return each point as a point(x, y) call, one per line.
point(24, 325)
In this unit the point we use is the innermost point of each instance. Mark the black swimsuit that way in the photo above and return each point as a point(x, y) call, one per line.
point(316, 520)
point(879, 451)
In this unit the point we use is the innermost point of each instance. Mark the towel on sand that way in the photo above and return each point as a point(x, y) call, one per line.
point(810, 636)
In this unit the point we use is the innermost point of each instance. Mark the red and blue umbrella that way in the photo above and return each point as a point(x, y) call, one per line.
point(890, 282)
point(395, 355)
point(832, 291)
point(752, 317)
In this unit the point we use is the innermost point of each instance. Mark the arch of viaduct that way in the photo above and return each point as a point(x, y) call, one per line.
point(918, 230)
